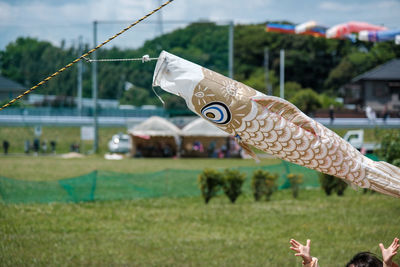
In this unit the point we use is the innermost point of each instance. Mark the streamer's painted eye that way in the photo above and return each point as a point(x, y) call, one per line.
point(216, 112)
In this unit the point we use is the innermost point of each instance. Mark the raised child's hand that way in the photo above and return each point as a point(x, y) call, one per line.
point(390, 252)
point(302, 251)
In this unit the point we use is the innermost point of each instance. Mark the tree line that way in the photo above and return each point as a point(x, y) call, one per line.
point(315, 64)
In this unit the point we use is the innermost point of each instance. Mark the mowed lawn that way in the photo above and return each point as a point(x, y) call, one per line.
point(185, 231)
point(63, 136)
point(47, 168)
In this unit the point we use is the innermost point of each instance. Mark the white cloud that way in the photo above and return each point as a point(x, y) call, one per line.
point(334, 6)
point(5, 12)
point(371, 7)
point(389, 4)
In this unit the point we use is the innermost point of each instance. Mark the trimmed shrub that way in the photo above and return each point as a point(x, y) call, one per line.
point(263, 184)
point(233, 182)
point(295, 181)
point(330, 183)
point(210, 181)
point(307, 100)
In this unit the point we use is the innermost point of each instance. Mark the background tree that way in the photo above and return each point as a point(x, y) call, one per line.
point(136, 96)
point(307, 101)
point(257, 81)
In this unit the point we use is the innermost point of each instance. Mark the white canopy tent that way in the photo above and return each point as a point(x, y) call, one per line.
point(201, 138)
point(155, 137)
point(201, 127)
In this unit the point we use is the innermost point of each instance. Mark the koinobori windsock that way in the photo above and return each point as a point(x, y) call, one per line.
point(344, 29)
point(378, 36)
point(271, 124)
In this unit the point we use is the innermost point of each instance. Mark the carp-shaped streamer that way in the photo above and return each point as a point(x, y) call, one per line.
point(271, 124)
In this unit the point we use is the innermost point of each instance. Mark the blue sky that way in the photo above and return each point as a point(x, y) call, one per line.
point(54, 21)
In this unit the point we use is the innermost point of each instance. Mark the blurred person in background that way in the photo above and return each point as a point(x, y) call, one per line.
point(6, 146)
point(53, 146)
point(36, 144)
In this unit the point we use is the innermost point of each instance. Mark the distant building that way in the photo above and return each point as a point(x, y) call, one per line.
point(376, 88)
point(9, 89)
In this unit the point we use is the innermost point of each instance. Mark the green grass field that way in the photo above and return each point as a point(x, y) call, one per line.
point(47, 168)
point(64, 137)
point(185, 231)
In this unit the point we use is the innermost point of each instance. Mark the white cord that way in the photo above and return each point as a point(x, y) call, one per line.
point(145, 58)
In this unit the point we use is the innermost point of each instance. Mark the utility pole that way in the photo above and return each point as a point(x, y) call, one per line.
point(79, 78)
point(94, 88)
point(282, 74)
point(266, 67)
point(230, 49)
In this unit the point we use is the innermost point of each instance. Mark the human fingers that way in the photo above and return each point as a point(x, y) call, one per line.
point(382, 247)
point(294, 241)
point(296, 245)
point(308, 242)
point(295, 249)
point(395, 242)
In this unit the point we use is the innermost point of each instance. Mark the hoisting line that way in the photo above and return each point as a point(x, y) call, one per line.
point(84, 55)
point(145, 58)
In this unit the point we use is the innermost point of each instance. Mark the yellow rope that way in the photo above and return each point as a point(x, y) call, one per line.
point(84, 55)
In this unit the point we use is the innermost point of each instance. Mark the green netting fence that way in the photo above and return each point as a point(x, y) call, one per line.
point(106, 185)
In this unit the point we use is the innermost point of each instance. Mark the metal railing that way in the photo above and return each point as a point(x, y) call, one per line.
point(86, 112)
point(72, 117)
point(121, 117)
